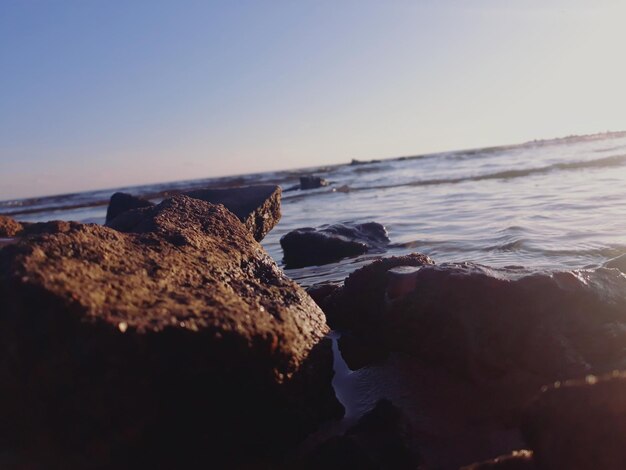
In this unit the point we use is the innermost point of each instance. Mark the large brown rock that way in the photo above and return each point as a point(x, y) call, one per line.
point(179, 343)
point(580, 424)
point(258, 207)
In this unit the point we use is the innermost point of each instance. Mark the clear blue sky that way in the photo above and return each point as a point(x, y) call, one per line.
point(97, 94)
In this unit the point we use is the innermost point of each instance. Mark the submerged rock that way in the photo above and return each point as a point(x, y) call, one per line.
point(123, 202)
point(580, 424)
point(258, 207)
point(381, 439)
point(309, 246)
point(180, 343)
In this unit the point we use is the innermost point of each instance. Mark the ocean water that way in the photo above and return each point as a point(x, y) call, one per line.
point(557, 204)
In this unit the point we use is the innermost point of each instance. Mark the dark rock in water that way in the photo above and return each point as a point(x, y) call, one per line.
point(122, 202)
point(517, 460)
point(179, 345)
point(308, 246)
point(580, 424)
point(9, 227)
point(486, 323)
point(312, 182)
point(354, 162)
point(382, 439)
point(258, 207)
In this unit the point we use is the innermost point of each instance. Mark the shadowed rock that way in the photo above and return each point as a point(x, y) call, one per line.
point(382, 439)
point(122, 202)
point(258, 207)
point(181, 343)
point(308, 246)
point(486, 323)
point(580, 424)
point(517, 460)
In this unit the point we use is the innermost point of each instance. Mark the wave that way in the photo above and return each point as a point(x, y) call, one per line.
point(606, 162)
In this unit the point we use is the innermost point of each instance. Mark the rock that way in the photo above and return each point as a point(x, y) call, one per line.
point(308, 246)
point(485, 323)
point(358, 306)
point(382, 439)
point(258, 207)
point(312, 182)
point(180, 344)
point(517, 460)
point(355, 162)
point(579, 424)
point(9, 227)
point(122, 202)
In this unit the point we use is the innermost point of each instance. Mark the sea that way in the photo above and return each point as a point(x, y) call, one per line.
point(549, 204)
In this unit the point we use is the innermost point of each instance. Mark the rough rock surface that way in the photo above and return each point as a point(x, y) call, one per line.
point(122, 202)
point(9, 227)
point(580, 424)
point(258, 207)
point(309, 246)
point(517, 460)
point(382, 439)
point(485, 323)
point(181, 342)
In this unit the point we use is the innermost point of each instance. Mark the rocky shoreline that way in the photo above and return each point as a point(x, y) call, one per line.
point(170, 339)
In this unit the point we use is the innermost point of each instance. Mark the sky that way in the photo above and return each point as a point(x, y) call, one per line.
point(109, 93)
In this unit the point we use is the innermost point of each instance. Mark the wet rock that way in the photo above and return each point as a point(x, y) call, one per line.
point(358, 306)
point(517, 460)
point(485, 323)
point(580, 424)
point(312, 182)
point(309, 246)
point(9, 227)
point(180, 343)
point(382, 439)
point(122, 202)
point(258, 207)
